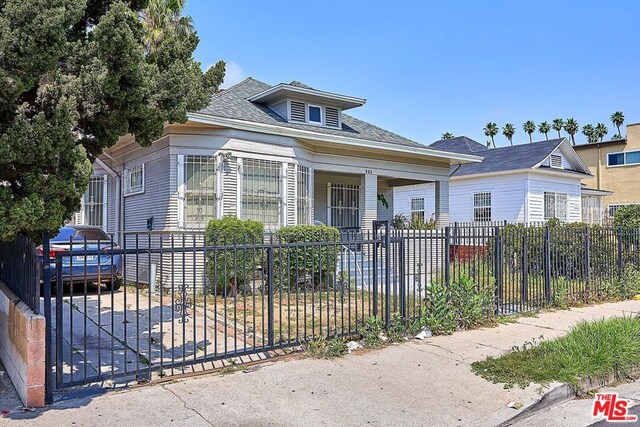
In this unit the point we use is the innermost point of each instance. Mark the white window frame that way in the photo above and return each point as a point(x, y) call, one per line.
point(344, 188)
point(557, 211)
point(81, 217)
point(624, 159)
point(304, 174)
point(243, 164)
point(183, 192)
point(422, 211)
point(478, 207)
point(309, 115)
point(558, 157)
point(129, 190)
point(591, 209)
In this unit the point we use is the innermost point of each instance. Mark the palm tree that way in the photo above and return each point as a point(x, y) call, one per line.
point(491, 130)
point(509, 130)
point(447, 135)
point(617, 119)
point(589, 131)
point(572, 127)
point(557, 126)
point(545, 128)
point(161, 18)
point(601, 131)
point(529, 127)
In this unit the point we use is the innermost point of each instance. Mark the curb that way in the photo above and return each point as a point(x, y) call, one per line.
point(565, 392)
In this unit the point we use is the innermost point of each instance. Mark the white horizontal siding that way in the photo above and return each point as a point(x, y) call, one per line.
point(402, 198)
point(507, 197)
point(539, 183)
point(155, 201)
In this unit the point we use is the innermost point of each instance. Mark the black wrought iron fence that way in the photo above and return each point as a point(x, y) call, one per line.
point(161, 302)
point(19, 270)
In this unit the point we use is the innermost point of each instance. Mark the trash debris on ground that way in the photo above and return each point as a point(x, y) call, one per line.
point(424, 334)
point(514, 405)
point(353, 345)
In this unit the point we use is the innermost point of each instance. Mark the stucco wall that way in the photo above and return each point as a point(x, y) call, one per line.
point(622, 180)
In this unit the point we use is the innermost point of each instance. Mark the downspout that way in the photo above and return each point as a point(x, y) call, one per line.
point(117, 178)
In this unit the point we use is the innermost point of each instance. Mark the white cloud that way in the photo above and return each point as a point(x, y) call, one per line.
point(233, 74)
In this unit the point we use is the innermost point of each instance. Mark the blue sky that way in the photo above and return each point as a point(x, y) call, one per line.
point(428, 67)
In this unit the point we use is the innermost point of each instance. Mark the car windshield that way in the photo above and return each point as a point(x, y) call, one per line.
point(79, 234)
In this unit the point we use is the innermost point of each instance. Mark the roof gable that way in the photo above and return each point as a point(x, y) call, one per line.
point(522, 156)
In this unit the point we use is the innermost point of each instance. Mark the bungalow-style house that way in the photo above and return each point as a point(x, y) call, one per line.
point(283, 155)
point(525, 183)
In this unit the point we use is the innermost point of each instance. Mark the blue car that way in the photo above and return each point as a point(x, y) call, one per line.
point(102, 267)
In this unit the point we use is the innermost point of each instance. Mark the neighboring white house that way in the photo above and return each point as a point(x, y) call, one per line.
point(524, 183)
point(283, 155)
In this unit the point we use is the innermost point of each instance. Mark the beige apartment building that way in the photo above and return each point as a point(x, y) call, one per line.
point(615, 166)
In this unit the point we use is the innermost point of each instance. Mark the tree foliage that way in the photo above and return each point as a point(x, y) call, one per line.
point(529, 127)
point(75, 75)
point(508, 131)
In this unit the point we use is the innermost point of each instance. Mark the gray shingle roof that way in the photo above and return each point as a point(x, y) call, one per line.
point(515, 157)
point(459, 144)
point(232, 103)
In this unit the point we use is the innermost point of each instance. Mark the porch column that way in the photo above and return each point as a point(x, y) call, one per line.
point(368, 200)
point(442, 204)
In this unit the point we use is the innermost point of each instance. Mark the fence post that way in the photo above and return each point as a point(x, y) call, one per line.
point(375, 270)
point(525, 266)
point(587, 258)
point(547, 264)
point(447, 256)
point(387, 273)
point(48, 335)
point(497, 267)
point(401, 272)
point(271, 331)
point(620, 254)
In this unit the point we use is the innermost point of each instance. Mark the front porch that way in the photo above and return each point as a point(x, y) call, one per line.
point(353, 201)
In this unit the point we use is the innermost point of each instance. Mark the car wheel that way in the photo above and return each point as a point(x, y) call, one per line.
point(114, 285)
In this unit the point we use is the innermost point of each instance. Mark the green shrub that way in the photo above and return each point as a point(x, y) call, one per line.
point(372, 331)
point(315, 264)
point(322, 348)
point(400, 329)
point(627, 216)
point(231, 270)
point(418, 224)
point(459, 306)
point(399, 221)
point(560, 293)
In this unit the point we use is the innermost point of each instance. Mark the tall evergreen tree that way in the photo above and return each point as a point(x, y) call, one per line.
point(601, 131)
point(617, 119)
point(590, 132)
point(572, 127)
point(508, 131)
point(529, 127)
point(74, 76)
point(557, 126)
point(544, 128)
point(491, 130)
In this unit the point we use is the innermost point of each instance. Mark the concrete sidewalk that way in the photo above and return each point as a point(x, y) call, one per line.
point(416, 383)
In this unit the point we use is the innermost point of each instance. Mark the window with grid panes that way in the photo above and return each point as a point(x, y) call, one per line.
point(262, 192)
point(555, 205)
point(200, 190)
point(482, 207)
point(417, 210)
point(344, 205)
point(304, 196)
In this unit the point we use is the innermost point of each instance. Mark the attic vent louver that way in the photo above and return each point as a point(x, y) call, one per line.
point(331, 117)
point(297, 111)
point(556, 161)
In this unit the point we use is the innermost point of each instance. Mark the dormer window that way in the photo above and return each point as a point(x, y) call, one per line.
point(315, 114)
